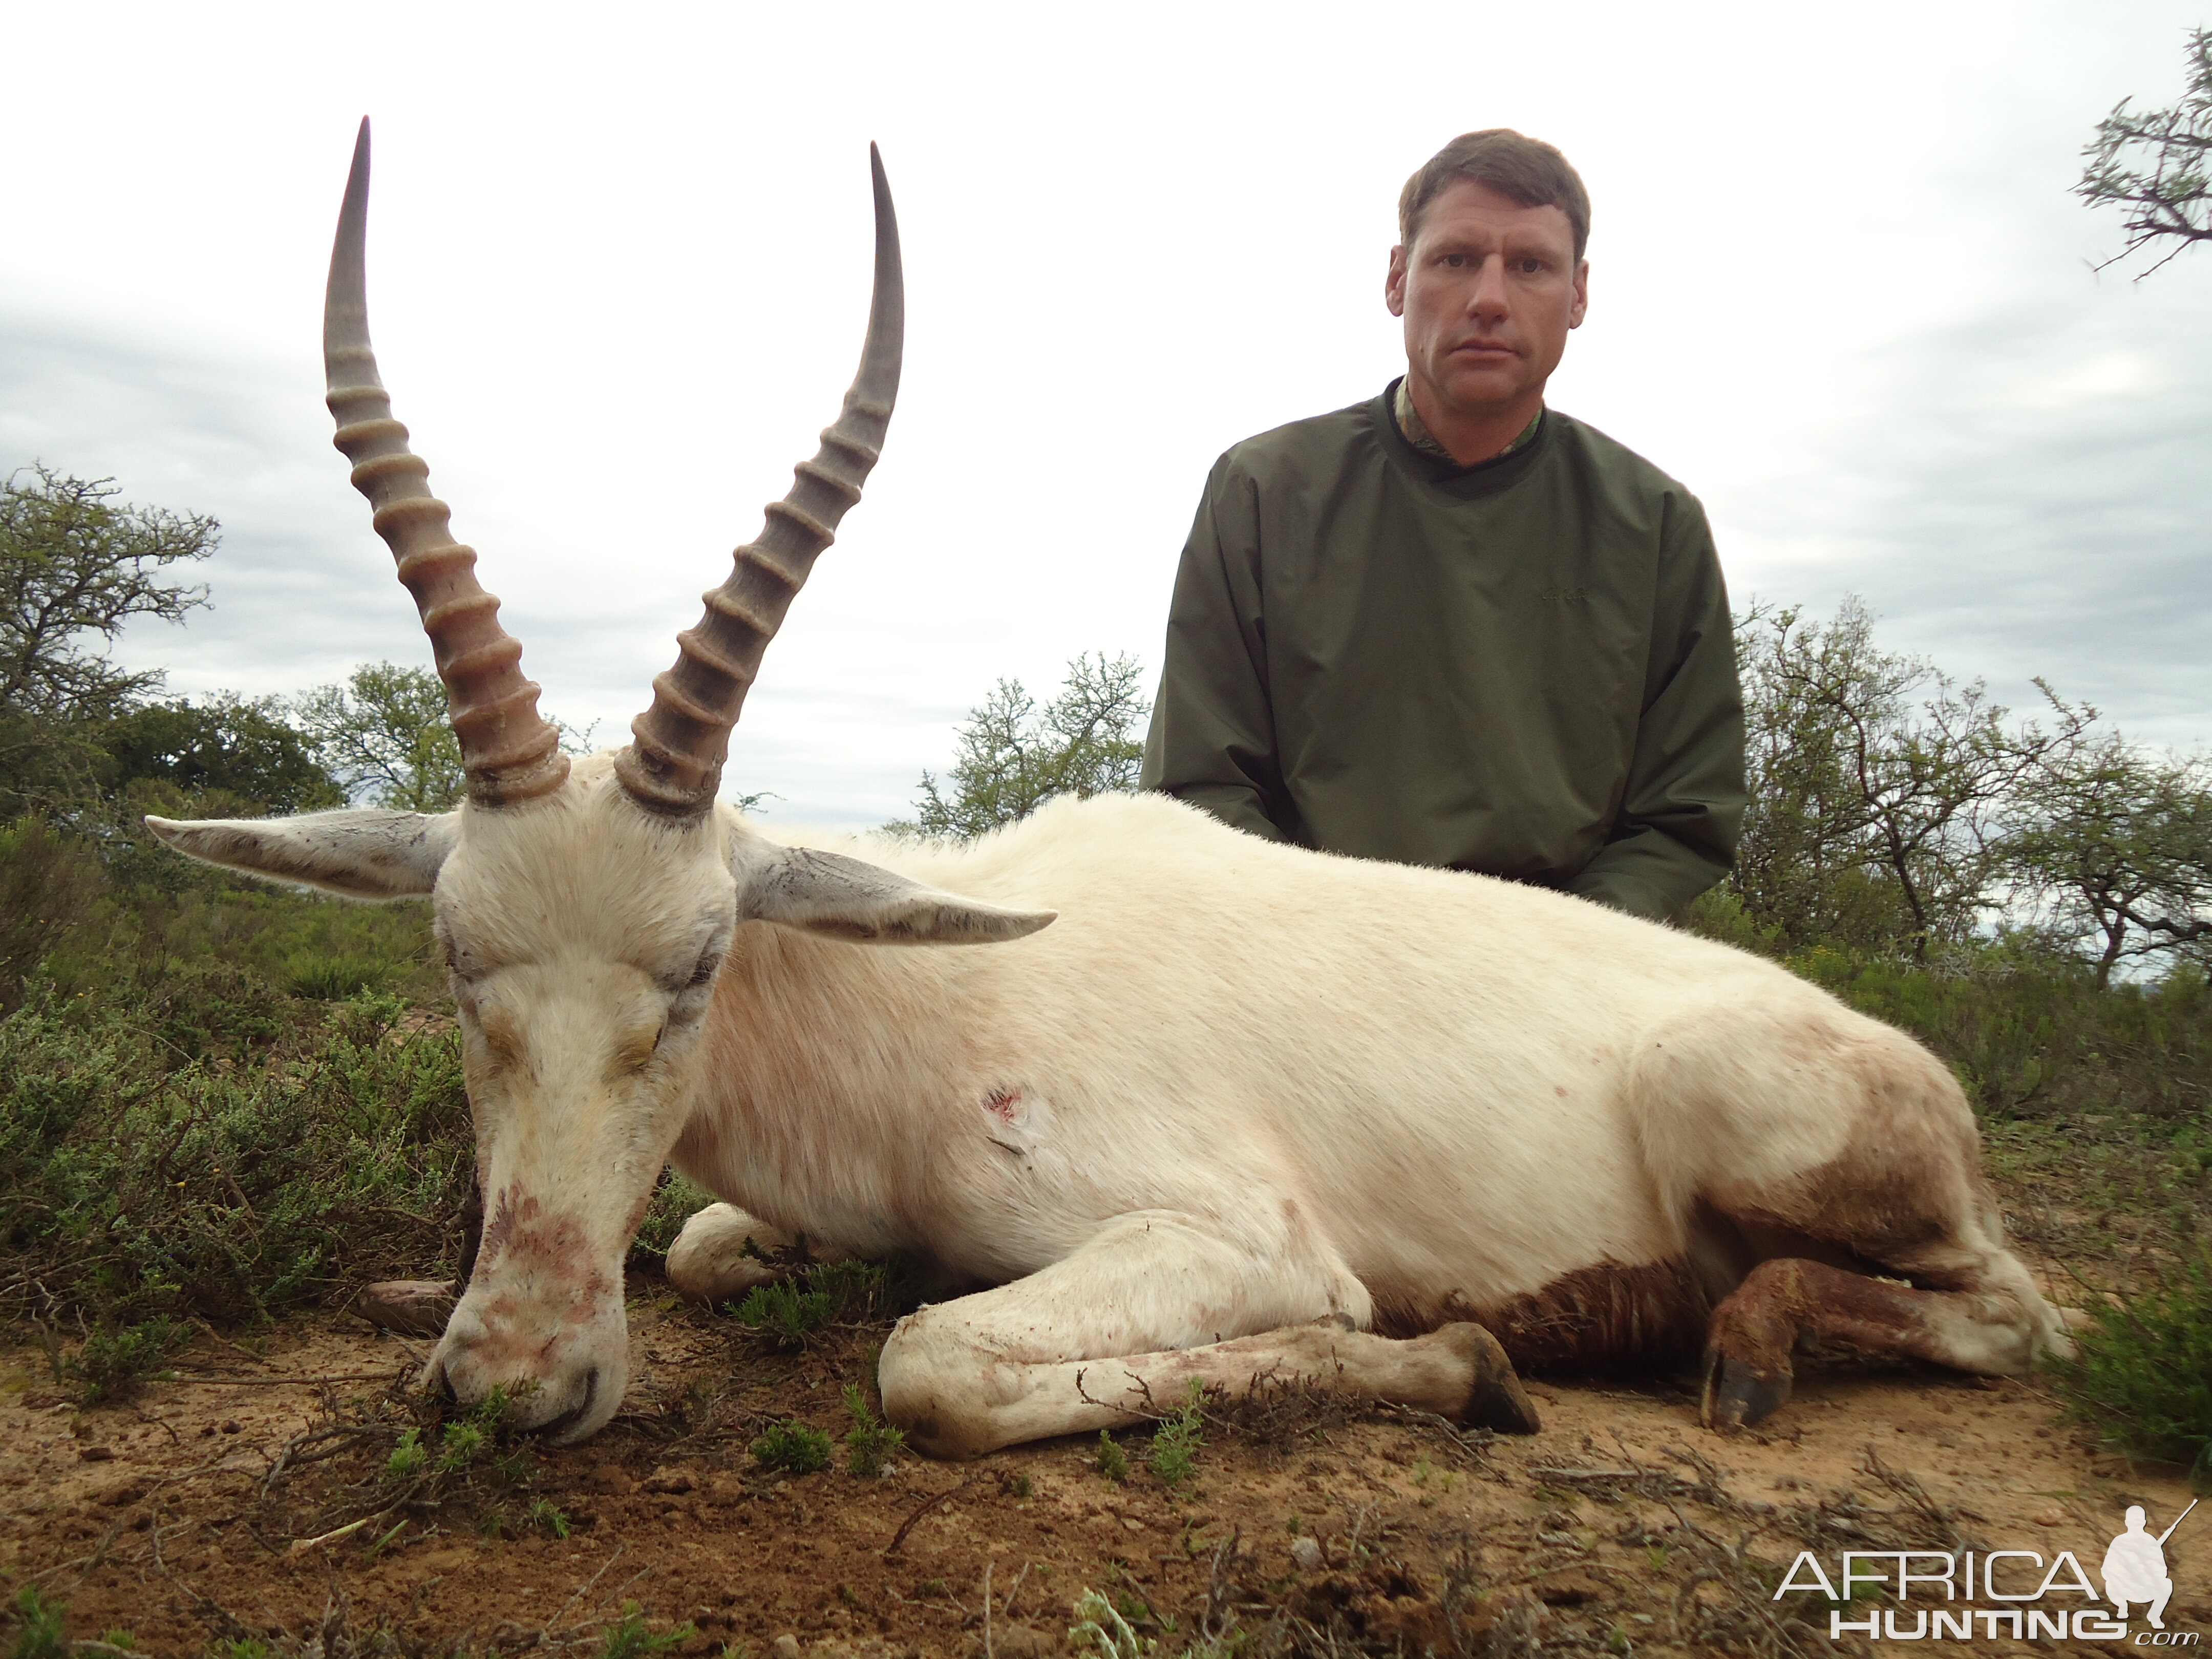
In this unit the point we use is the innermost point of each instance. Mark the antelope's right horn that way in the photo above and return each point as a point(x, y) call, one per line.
point(509, 750)
point(673, 763)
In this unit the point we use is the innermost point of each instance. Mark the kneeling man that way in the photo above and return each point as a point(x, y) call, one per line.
point(1449, 626)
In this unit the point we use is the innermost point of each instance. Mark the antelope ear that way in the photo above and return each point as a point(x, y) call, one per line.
point(365, 854)
point(829, 893)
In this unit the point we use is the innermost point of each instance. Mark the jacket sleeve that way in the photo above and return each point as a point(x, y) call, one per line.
point(1684, 801)
point(1213, 736)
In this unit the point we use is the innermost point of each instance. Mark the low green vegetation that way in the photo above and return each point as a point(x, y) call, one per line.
point(870, 1441)
point(790, 1314)
point(2142, 1374)
point(631, 1638)
point(41, 1628)
point(112, 1361)
point(1101, 1629)
point(1174, 1456)
point(287, 1153)
point(792, 1448)
point(1112, 1462)
point(783, 1314)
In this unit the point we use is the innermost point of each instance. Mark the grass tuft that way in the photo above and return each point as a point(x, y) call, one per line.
point(793, 1447)
point(631, 1639)
point(1112, 1462)
point(869, 1442)
point(43, 1632)
point(1174, 1456)
point(1100, 1628)
point(784, 1316)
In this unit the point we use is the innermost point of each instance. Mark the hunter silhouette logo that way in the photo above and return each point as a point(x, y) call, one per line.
point(2031, 1597)
point(2135, 1567)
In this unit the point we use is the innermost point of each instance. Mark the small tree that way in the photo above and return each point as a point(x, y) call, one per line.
point(1013, 756)
point(2116, 848)
point(386, 737)
point(74, 562)
point(1877, 783)
point(2155, 166)
point(246, 753)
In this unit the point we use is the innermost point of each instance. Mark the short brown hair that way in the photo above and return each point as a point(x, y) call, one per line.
point(1529, 170)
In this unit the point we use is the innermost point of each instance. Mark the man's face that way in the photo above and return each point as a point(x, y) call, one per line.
point(1488, 289)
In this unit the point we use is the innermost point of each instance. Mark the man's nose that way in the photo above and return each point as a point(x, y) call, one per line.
point(1488, 300)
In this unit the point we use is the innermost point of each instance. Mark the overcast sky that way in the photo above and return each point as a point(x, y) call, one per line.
point(618, 260)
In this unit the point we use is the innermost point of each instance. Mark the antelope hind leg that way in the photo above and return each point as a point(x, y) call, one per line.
point(1115, 1333)
point(1787, 1303)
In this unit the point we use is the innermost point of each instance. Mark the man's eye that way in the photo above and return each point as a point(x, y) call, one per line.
point(1454, 260)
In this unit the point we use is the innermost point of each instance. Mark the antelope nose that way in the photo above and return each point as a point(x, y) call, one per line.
point(557, 1428)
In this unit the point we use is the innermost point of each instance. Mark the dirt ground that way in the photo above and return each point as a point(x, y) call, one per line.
point(219, 1506)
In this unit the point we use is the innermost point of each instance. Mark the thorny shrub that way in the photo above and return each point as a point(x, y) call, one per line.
point(2142, 1368)
point(134, 1186)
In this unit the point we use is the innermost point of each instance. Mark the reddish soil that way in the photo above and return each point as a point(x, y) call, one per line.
point(1308, 1527)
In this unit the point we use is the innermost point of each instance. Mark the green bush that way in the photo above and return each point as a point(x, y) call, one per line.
point(42, 1631)
point(2142, 1367)
point(112, 1362)
point(50, 884)
point(782, 1315)
point(1174, 1456)
point(789, 1312)
point(870, 1441)
point(793, 1447)
point(629, 1639)
point(1112, 1462)
point(410, 1457)
point(136, 1182)
point(329, 979)
point(675, 1201)
point(2030, 1034)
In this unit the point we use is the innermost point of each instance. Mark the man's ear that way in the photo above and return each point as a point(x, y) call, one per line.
point(366, 854)
point(1393, 285)
point(844, 898)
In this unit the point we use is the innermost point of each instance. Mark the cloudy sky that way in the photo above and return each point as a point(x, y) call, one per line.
point(618, 266)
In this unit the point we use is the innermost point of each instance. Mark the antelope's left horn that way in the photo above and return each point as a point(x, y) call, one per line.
point(509, 750)
point(673, 763)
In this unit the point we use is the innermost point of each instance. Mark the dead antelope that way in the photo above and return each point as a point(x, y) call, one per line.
point(1240, 1108)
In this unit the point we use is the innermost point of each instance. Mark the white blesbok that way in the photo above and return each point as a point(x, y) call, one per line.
point(1240, 1109)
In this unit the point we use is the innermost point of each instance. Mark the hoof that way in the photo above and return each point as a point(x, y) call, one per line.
point(1497, 1400)
point(715, 1257)
point(1738, 1394)
point(411, 1307)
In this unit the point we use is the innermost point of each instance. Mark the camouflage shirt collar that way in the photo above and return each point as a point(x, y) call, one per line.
point(1417, 433)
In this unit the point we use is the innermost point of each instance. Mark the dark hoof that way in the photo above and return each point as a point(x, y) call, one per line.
point(1497, 1400)
point(1738, 1394)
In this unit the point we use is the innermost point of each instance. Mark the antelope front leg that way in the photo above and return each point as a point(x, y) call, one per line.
point(719, 1254)
point(1115, 1332)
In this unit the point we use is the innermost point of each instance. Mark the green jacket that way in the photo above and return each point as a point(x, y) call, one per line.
point(1524, 667)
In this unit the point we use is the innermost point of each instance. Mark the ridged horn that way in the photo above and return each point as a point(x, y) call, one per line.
point(673, 763)
point(509, 750)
